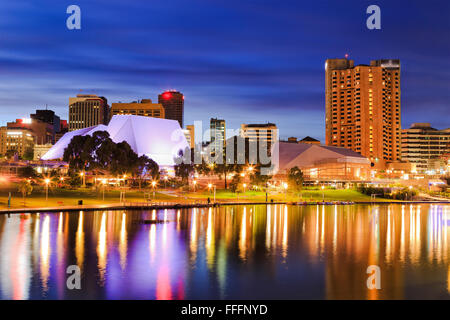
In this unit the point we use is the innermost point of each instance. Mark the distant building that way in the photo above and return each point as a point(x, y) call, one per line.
point(423, 146)
point(42, 131)
point(309, 140)
point(87, 110)
point(48, 116)
point(18, 140)
point(363, 108)
point(189, 133)
point(64, 128)
point(173, 103)
point(320, 162)
point(217, 136)
point(40, 150)
point(143, 108)
point(262, 133)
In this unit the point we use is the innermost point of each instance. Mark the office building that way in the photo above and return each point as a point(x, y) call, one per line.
point(189, 133)
point(144, 108)
point(16, 140)
point(173, 103)
point(217, 136)
point(264, 134)
point(48, 116)
point(363, 108)
point(87, 110)
point(424, 146)
point(42, 131)
point(64, 128)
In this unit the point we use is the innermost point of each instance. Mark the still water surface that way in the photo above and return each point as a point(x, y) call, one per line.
point(232, 252)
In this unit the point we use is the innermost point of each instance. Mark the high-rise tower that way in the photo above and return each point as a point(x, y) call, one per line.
point(173, 103)
point(363, 108)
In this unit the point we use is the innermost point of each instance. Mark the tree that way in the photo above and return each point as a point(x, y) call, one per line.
point(295, 178)
point(183, 168)
point(10, 153)
point(28, 154)
point(25, 188)
point(100, 155)
point(26, 172)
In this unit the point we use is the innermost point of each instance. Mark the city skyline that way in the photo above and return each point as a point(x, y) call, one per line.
point(263, 67)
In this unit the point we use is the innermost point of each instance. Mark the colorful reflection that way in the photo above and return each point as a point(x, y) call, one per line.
point(230, 252)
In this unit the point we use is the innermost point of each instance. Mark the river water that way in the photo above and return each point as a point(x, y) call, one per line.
point(231, 252)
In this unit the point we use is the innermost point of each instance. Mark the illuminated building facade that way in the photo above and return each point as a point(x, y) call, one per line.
point(217, 133)
point(143, 108)
point(423, 146)
point(262, 133)
point(363, 108)
point(173, 103)
point(42, 131)
point(20, 140)
point(87, 110)
point(189, 133)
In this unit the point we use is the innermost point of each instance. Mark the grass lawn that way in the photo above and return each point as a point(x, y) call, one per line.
point(66, 197)
point(306, 195)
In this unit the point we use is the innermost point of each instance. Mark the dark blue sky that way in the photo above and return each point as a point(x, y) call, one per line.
point(244, 61)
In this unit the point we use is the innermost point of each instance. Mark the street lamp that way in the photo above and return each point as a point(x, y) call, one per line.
point(323, 193)
point(104, 185)
point(285, 186)
point(82, 175)
point(165, 182)
point(153, 185)
point(47, 181)
point(194, 182)
point(245, 185)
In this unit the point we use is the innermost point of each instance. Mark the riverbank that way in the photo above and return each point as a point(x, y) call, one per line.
point(60, 199)
point(188, 205)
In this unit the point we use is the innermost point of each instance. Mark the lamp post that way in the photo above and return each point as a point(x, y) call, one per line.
point(153, 185)
point(285, 186)
point(47, 181)
point(323, 194)
point(165, 182)
point(194, 183)
point(82, 175)
point(244, 185)
point(104, 185)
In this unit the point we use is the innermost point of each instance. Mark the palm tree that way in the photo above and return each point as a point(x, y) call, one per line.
point(25, 188)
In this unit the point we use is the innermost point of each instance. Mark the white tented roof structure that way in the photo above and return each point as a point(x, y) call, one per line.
point(159, 139)
point(305, 155)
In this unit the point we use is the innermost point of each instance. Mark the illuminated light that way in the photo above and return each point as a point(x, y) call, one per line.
point(47, 181)
point(81, 174)
point(167, 95)
point(153, 183)
point(242, 174)
point(166, 177)
point(209, 185)
point(26, 120)
point(285, 185)
point(323, 187)
point(194, 182)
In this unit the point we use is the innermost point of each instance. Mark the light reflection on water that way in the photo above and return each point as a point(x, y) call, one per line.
point(232, 252)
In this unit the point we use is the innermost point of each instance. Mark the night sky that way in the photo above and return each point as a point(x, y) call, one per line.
point(244, 61)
